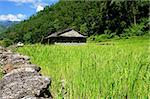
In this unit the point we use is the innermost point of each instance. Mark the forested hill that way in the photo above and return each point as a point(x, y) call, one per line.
point(4, 25)
point(88, 17)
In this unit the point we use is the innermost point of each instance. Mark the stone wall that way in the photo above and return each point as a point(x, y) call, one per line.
point(21, 79)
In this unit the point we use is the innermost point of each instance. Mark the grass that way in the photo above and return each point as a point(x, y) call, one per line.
point(1, 73)
point(94, 71)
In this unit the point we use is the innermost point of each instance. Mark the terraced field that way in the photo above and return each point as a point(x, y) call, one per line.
point(120, 69)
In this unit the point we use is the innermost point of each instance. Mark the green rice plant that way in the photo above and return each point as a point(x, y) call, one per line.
point(94, 71)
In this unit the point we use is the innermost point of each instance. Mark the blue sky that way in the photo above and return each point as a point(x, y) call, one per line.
point(17, 10)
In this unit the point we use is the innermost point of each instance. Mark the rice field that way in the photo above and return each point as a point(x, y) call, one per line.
point(120, 70)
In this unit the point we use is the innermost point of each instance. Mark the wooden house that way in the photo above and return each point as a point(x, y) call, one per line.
point(66, 36)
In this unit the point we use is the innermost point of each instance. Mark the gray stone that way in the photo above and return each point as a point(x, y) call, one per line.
point(13, 58)
point(31, 97)
point(23, 83)
point(37, 68)
point(22, 79)
point(9, 67)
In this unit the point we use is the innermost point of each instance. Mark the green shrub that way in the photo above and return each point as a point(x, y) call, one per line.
point(103, 37)
point(1, 43)
point(1, 73)
point(6, 42)
point(136, 29)
point(98, 38)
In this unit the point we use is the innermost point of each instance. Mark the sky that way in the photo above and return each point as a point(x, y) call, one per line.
point(18, 10)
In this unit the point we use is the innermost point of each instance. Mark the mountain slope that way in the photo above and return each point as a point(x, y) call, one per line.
point(6, 24)
point(2, 28)
point(89, 17)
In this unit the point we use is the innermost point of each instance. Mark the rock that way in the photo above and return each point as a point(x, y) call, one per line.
point(21, 71)
point(17, 75)
point(31, 97)
point(23, 83)
point(9, 67)
point(9, 57)
point(2, 48)
point(37, 68)
point(22, 79)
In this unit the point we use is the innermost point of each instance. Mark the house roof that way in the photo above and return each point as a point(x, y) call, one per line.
point(66, 33)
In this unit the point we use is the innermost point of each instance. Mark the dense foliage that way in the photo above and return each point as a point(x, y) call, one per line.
point(87, 17)
point(4, 25)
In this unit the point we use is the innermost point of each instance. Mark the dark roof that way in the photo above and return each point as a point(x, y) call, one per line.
point(66, 33)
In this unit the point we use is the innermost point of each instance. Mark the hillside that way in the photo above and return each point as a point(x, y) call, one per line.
point(4, 25)
point(7, 24)
point(88, 17)
point(2, 28)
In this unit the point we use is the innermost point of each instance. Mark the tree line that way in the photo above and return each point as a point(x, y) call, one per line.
point(87, 17)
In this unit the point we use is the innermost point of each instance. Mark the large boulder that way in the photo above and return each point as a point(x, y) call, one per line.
point(22, 79)
point(19, 84)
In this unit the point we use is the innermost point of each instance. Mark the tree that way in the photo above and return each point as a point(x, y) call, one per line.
point(83, 28)
point(90, 17)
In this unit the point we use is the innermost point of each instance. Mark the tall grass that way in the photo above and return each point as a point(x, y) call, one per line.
point(95, 71)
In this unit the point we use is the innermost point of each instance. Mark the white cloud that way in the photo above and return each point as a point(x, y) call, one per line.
point(38, 5)
point(21, 16)
point(39, 8)
point(11, 17)
point(23, 1)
